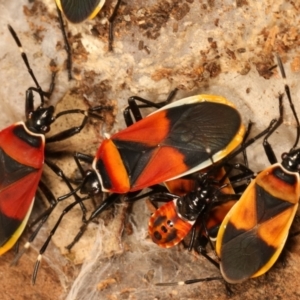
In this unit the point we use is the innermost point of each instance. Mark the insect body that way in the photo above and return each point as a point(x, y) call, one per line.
point(202, 204)
point(78, 11)
point(22, 148)
point(255, 230)
point(22, 158)
point(176, 140)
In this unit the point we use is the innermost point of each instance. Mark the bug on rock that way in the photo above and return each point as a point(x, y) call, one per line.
point(254, 232)
point(22, 156)
point(199, 204)
point(77, 12)
point(169, 143)
point(176, 140)
point(259, 223)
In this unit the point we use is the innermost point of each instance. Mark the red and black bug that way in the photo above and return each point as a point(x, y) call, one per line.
point(260, 222)
point(120, 170)
point(170, 143)
point(176, 140)
point(199, 204)
point(22, 148)
point(254, 232)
